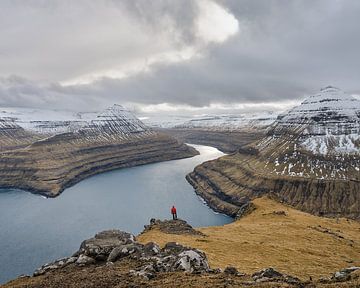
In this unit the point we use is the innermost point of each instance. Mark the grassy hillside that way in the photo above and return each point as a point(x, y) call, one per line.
point(296, 242)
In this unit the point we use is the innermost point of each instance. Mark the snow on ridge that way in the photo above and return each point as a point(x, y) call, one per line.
point(52, 122)
point(226, 121)
point(328, 100)
point(328, 121)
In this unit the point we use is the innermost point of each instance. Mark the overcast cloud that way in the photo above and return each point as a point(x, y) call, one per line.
point(183, 55)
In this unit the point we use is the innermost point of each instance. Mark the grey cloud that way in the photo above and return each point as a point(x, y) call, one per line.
point(284, 49)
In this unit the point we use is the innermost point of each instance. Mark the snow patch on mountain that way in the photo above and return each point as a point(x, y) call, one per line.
point(214, 122)
point(327, 122)
point(230, 122)
point(52, 122)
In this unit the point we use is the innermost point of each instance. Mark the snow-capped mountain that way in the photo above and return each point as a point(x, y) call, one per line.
point(317, 139)
point(53, 122)
point(309, 159)
point(230, 122)
point(215, 122)
point(48, 151)
point(43, 121)
point(327, 122)
point(116, 119)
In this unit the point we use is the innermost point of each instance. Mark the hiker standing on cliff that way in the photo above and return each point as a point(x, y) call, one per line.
point(173, 212)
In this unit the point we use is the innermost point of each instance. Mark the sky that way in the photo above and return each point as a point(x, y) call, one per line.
point(176, 56)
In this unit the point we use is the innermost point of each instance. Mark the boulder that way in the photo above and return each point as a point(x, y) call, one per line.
point(124, 250)
point(113, 245)
point(193, 261)
point(270, 274)
point(344, 274)
point(230, 270)
point(85, 260)
point(151, 249)
point(100, 246)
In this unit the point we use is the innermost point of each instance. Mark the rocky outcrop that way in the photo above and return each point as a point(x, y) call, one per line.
point(115, 139)
point(310, 159)
point(172, 227)
point(113, 245)
point(114, 258)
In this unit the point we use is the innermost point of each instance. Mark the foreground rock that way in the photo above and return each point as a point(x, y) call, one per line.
point(268, 274)
point(172, 227)
point(113, 245)
point(342, 276)
point(114, 258)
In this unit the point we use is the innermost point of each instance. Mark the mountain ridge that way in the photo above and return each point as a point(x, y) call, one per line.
point(48, 163)
point(280, 164)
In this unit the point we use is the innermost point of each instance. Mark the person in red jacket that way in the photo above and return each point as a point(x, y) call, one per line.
point(173, 212)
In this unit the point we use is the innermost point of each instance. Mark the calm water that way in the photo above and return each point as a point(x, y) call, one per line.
point(35, 230)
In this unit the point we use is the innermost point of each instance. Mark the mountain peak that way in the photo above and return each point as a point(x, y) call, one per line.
point(330, 88)
point(326, 122)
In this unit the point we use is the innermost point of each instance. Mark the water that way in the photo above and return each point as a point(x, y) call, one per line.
point(35, 230)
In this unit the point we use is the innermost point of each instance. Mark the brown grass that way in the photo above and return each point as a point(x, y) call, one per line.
point(297, 243)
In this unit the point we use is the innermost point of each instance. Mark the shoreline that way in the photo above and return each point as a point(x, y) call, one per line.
point(74, 175)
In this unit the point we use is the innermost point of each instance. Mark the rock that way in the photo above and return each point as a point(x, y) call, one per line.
point(269, 274)
point(191, 261)
point(123, 251)
point(172, 227)
point(173, 248)
point(85, 260)
point(151, 249)
point(230, 270)
point(341, 276)
point(344, 274)
point(280, 213)
point(215, 271)
point(54, 265)
point(23, 276)
point(113, 245)
point(100, 246)
point(174, 257)
point(144, 274)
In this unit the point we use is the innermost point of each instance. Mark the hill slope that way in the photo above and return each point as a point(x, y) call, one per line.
point(275, 235)
point(52, 160)
point(309, 159)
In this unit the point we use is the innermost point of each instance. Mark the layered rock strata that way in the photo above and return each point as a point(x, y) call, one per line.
point(309, 159)
point(48, 164)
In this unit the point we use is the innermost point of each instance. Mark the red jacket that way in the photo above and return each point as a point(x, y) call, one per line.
point(173, 210)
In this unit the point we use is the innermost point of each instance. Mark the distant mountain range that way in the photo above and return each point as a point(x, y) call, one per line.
point(217, 122)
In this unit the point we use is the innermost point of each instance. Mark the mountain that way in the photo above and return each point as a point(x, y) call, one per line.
point(215, 122)
point(225, 132)
point(230, 122)
point(47, 152)
point(327, 123)
point(310, 159)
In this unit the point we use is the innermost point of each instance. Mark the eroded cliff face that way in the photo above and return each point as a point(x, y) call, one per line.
point(310, 159)
point(49, 163)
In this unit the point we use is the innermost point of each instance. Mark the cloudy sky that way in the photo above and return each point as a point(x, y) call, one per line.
point(176, 55)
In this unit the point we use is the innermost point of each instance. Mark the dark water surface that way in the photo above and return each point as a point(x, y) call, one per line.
point(35, 230)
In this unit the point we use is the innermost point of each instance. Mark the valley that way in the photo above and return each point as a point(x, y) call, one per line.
point(48, 156)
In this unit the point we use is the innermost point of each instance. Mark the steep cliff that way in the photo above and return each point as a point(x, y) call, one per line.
point(55, 160)
point(309, 159)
